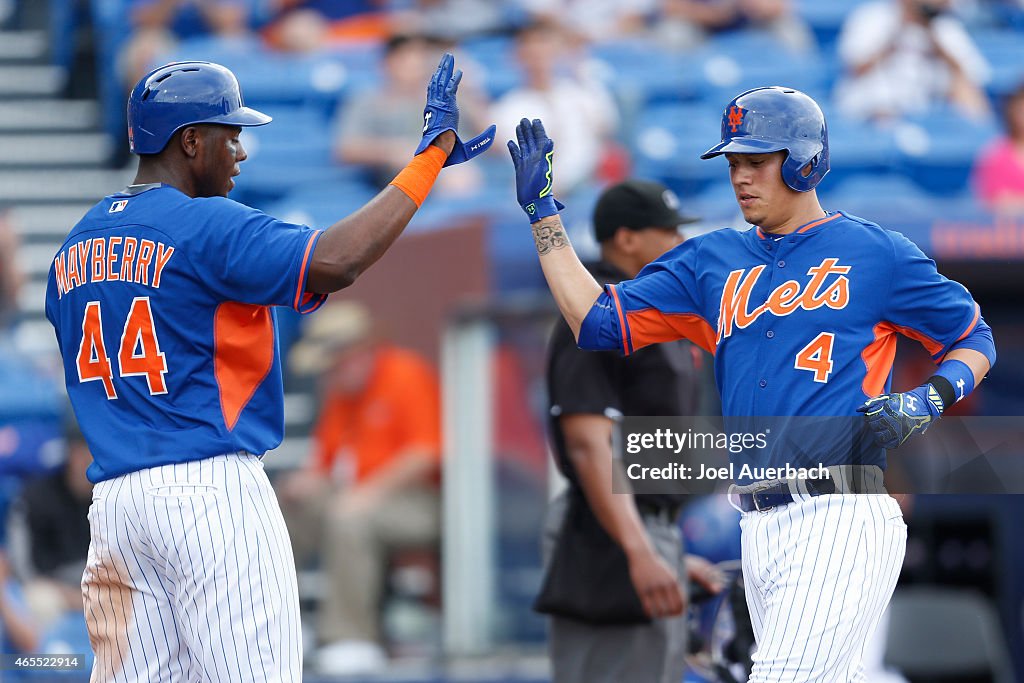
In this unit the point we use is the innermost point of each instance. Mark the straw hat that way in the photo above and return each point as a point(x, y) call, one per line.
point(332, 328)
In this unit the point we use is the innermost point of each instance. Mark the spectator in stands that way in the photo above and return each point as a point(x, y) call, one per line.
point(998, 176)
point(157, 26)
point(48, 538)
point(376, 128)
point(18, 633)
point(453, 19)
point(904, 57)
point(371, 483)
point(578, 112)
point(10, 275)
point(594, 20)
point(311, 25)
point(688, 23)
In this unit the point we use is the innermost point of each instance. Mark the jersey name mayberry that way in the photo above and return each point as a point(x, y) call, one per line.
point(784, 299)
point(109, 259)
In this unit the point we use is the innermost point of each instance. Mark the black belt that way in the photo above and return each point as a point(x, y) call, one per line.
point(777, 494)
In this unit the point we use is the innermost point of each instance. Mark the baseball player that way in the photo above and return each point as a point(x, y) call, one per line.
point(161, 301)
point(802, 313)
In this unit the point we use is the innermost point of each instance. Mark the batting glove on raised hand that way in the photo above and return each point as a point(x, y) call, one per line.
point(532, 159)
point(894, 417)
point(442, 113)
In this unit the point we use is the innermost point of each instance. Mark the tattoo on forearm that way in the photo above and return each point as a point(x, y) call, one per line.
point(549, 235)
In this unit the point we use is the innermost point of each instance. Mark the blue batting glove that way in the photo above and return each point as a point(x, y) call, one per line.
point(442, 113)
point(894, 417)
point(532, 159)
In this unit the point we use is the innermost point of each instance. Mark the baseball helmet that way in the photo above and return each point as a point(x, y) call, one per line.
point(182, 94)
point(772, 119)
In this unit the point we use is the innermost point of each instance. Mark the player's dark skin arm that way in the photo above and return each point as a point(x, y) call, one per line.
point(354, 243)
point(588, 441)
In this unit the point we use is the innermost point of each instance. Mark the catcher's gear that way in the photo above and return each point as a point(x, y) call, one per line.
point(894, 417)
point(442, 114)
point(532, 158)
point(182, 94)
point(772, 119)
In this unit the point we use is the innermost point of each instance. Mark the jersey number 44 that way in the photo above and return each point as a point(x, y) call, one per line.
point(138, 352)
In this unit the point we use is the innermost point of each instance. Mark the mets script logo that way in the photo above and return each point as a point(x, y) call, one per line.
point(736, 117)
point(821, 290)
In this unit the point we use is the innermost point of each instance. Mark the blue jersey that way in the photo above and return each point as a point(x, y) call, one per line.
point(803, 325)
point(161, 306)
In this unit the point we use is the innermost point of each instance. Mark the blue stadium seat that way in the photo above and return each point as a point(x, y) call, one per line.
point(825, 18)
point(938, 150)
point(268, 77)
point(1003, 49)
point(876, 196)
point(293, 151)
point(857, 148)
point(667, 143)
point(495, 56)
point(641, 72)
point(321, 205)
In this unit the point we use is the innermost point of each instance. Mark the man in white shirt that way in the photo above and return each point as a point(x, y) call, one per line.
point(904, 57)
point(581, 110)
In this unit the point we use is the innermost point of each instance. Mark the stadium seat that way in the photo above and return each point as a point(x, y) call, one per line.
point(876, 196)
point(667, 143)
point(641, 72)
point(321, 205)
point(318, 79)
point(1002, 48)
point(938, 150)
point(825, 18)
point(942, 634)
point(494, 56)
point(857, 148)
point(293, 151)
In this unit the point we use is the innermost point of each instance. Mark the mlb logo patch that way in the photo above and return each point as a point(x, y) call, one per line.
point(118, 206)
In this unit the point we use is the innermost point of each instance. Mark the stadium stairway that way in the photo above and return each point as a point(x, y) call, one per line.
point(52, 166)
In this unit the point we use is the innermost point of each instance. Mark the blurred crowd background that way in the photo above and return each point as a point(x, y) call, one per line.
point(415, 463)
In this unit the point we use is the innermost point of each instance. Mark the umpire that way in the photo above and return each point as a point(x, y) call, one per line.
point(615, 571)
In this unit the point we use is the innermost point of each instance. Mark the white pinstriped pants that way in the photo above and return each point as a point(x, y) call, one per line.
point(818, 574)
point(190, 577)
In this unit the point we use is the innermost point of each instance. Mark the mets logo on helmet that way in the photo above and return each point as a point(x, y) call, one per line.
point(735, 117)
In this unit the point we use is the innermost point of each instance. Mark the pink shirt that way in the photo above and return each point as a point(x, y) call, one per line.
point(999, 172)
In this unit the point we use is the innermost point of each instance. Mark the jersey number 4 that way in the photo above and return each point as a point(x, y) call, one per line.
point(816, 357)
point(139, 353)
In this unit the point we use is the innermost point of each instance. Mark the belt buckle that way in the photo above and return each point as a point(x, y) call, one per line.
point(753, 497)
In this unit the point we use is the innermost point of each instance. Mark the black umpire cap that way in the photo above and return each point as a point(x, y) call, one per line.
point(637, 204)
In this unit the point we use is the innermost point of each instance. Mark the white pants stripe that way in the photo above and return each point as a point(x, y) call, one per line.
point(190, 577)
point(818, 575)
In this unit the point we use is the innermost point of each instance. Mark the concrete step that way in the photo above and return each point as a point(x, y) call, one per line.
point(35, 337)
point(35, 258)
point(30, 81)
point(48, 115)
point(22, 45)
point(32, 297)
point(36, 185)
point(53, 150)
point(50, 223)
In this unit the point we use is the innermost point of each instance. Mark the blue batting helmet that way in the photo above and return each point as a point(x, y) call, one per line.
point(182, 94)
point(772, 119)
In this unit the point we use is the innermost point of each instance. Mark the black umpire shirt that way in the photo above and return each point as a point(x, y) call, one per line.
point(658, 380)
point(54, 525)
